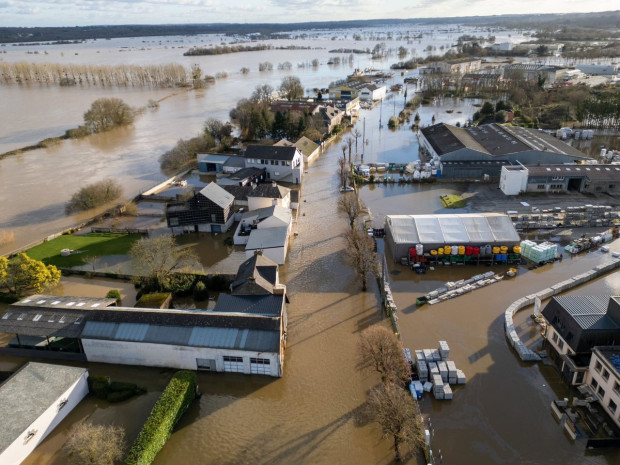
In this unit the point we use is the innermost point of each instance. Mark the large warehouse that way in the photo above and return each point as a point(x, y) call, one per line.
point(403, 232)
point(472, 153)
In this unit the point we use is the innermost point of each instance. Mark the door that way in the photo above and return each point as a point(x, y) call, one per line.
point(233, 364)
point(216, 228)
point(260, 366)
point(206, 364)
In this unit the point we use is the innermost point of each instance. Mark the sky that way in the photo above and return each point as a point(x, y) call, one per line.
point(30, 13)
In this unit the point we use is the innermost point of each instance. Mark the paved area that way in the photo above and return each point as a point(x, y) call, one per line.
point(489, 198)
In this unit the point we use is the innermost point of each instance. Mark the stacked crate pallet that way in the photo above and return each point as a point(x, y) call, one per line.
point(436, 372)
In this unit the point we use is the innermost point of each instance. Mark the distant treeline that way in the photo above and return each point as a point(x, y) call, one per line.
point(171, 75)
point(223, 49)
point(602, 20)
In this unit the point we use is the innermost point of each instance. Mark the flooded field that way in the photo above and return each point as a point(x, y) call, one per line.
point(131, 154)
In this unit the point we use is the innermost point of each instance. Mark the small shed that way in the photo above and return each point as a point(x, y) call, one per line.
point(211, 163)
point(272, 241)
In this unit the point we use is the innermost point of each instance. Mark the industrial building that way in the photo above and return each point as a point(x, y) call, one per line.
point(518, 179)
point(482, 151)
point(33, 401)
point(244, 334)
point(404, 232)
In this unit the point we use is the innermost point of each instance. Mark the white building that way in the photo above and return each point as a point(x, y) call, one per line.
point(284, 164)
point(255, 196)
point(274, 216)
point(604, 379)
point(33, 401)
point(245, 334)
point(513, 179)
point(372, 92)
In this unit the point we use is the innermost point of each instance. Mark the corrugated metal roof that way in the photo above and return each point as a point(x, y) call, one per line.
point(590, 312)
point(217, 195)
point(212, 158)
point(217, 338)
point(131, 331)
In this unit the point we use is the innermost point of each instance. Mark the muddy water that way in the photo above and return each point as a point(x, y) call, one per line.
point(47, 178)
point(309, 416)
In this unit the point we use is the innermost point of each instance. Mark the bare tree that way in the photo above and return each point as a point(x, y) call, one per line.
point(396, 413)
point(350, 146)
point(158, 258)
point(380, 349)
point(263, 93)
point(343, 169)
point(350, 205)
point(357, 134)
point(361, 253)
point(90, 444)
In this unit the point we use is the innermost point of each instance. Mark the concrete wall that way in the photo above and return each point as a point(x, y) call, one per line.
point(45, 424)
point(524, 353)
point(169, 356)
point(513, 182)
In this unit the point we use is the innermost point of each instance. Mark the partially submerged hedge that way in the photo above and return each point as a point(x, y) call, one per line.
point(172, 404)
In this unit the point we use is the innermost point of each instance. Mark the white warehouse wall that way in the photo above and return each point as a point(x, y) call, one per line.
point(170, 356)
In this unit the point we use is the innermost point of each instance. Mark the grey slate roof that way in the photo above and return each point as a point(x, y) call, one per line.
point(235, 162)
point(245, 173)
point(27, 394)
point(253, 304)
point(590, 312)
point(266, 190)
point(217, 195)
point(43, 321)
point(269, 238)
point(270, 152)
point(256, 276)
point(306, 146)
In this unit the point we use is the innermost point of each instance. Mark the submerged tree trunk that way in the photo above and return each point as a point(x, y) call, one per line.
point(396, 451)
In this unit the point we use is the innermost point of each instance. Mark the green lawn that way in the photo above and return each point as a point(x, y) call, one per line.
point(89, 245)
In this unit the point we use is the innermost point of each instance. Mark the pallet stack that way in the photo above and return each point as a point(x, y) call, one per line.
point(436, 372)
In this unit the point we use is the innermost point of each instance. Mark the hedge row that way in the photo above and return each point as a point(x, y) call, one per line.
point(172, 404)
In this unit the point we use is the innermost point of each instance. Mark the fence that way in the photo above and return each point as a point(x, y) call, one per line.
point(144, 232)
point(387, 300)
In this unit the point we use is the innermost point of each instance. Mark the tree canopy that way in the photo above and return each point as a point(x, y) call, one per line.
point(23, 274)
point(107, 113)
point(90, 444)
point(157, 259)
point(94, 195)
point(291, 88)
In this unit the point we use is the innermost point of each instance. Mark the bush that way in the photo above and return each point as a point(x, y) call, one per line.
point(114, 294)
point(94, 195)
point(120, 396)
point(172, 404)
point(200, 291)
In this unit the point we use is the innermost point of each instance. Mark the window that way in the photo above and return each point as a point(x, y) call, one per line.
point(555, 337)
point(598, 366)
point(274, 162)
point(601, 391)
point(283, 163)
point(561, 344)
point(616, 387)
point(594, 383)
point(605, 375)
point(612, 406)
point(541, 186)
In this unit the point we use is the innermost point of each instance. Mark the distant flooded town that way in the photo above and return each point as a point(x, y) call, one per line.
point(376, 241)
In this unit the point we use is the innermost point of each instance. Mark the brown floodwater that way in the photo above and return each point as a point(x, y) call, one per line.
point(311, 414)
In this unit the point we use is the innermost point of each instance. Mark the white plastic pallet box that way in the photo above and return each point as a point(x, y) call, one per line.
point(447, 392)
point(428, 386)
